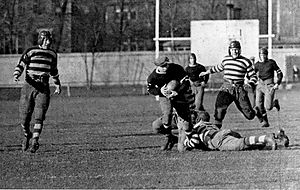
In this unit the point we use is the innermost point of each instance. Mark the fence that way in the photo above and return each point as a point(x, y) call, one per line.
point(122, 68)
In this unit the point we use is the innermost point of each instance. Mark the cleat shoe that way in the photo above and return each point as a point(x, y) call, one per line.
point(258, 114)
point(276, 104)
point(168, 134)
point(282, 139)
point(265, 125)
point(26, 140)
point(265, 121)
point(35, 145)
point(172, 141)
point(270, 141)
point(166, 145)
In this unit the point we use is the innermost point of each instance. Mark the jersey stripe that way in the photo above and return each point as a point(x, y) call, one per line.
point(236, 69)
point(36, 65)
point(37, 61)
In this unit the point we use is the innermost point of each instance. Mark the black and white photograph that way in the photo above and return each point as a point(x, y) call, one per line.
point(150, 94)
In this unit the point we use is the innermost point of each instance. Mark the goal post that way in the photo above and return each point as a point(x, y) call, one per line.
point(158, 38)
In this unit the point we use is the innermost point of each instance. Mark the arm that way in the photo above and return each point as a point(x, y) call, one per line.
point(215, 69)
point(20, 66)
point(152, 86)
point(251, 74)
point(192, 142)
point(183, 78)
point(153, 89)
point(279, 75)
point(205, 78)
point(55, 76)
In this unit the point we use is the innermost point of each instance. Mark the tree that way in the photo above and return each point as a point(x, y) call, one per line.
point(90, 18)
point(8, 25)
point(61, 10)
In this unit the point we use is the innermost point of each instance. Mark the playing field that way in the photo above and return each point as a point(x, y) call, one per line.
point(97, 140)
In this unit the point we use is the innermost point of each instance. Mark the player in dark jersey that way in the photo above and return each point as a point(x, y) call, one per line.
point(39, 63)
point(265, 90)
point(180, 100)
point(197, 83)
point(236, 67)
point(207, 136)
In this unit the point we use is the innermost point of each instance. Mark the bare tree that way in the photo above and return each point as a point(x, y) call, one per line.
point(90, 18)
point(8, 23)
point(61, 12)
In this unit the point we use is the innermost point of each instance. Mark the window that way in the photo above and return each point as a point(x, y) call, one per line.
point(128, 14)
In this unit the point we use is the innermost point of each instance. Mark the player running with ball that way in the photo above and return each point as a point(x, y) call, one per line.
point(179, 98)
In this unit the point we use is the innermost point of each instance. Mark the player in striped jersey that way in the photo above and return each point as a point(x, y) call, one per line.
point(38, 63)
point(207, 136)
point(235, 67)
point(265, 90)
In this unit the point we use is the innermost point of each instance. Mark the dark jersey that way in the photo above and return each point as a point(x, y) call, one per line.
point(266, 70)
point(156, 80)
point(194, 71)
point(38, 62)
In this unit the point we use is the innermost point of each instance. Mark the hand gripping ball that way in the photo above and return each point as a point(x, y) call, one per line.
point(172, 85)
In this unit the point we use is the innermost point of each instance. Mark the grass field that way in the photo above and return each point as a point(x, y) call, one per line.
point(98, 140)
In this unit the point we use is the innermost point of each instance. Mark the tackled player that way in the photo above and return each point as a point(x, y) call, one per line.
point(207, 136)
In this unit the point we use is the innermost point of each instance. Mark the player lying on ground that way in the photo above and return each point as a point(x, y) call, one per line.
point(207, 136)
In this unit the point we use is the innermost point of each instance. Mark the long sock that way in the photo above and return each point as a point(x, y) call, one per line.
point(26, 129)
point(253, 140)
point(37, 129)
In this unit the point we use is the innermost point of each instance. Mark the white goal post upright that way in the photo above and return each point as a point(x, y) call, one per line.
point(157, 38)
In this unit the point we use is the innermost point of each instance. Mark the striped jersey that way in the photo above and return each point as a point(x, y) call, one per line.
point(201, 134)
point(236, 69)
point(38, 62)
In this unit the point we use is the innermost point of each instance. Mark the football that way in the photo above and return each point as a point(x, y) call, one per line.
point(173, 85)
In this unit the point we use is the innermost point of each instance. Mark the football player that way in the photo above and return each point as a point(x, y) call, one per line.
point(178, 98)
point(39, 63)
point(236, 67)
point(197, 83)
point(207, 136)
point(265, 89)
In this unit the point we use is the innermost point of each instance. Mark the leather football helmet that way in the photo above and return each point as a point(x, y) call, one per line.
point(263, 51)
point(44, 34)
